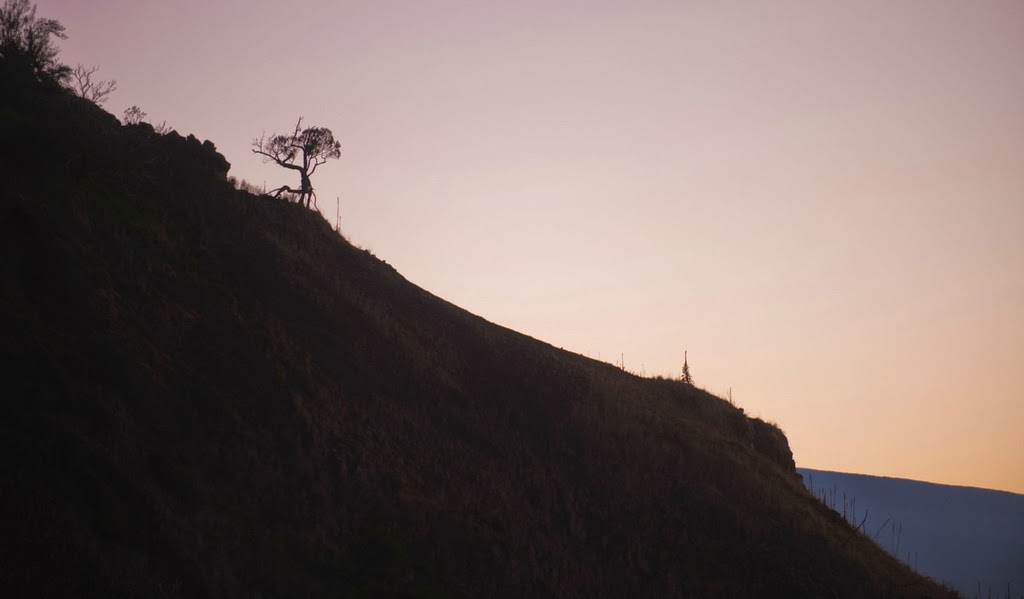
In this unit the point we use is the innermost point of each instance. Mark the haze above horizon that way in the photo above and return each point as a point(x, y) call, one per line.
point(823, 205)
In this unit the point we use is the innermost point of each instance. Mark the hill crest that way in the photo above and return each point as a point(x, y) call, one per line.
point(214, 394)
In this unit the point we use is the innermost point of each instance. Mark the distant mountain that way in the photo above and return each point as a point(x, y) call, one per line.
point(970, 538)
point(208, 393)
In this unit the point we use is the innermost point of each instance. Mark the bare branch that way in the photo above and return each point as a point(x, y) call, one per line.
point(82, 84)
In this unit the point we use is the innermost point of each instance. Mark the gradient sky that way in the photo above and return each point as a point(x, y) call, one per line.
point(822, 202)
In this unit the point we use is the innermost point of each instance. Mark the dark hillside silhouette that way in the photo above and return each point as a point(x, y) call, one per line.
point(209, 393)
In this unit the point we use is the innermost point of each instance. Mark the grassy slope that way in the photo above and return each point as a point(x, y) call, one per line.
point(212, 393)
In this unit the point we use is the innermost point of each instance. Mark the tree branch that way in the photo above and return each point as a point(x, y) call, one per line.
point(276, 158)
point(82, 84)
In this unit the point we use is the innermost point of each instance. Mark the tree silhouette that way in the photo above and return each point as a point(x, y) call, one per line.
point(303, 150)
point(686, 378)
point(26, 43)
point(82, 84)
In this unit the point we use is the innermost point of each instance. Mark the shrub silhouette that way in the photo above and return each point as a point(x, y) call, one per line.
point(133, 115)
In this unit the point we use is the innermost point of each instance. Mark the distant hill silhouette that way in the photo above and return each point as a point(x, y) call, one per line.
point(212, 394)
point(971, 538)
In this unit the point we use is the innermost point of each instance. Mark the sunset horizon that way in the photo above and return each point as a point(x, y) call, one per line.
point(512, 299)
point(822, 205)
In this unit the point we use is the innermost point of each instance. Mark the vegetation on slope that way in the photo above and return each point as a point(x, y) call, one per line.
point(210, 393)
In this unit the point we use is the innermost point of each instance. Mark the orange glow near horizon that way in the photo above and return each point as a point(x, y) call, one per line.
point(823, 205)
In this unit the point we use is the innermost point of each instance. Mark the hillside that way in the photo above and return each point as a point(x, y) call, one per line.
point(213, 394)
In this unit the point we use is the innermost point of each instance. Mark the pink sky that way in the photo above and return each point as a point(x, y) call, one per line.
point(822, 203)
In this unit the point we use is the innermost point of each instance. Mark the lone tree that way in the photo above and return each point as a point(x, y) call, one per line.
point(685, 377)
point(26, 43)
point(304, 150)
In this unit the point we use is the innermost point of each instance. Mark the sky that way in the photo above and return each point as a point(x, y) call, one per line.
point(821, 202)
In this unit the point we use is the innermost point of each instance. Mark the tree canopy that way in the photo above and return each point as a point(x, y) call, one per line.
point(27, 44)
point(302, 150)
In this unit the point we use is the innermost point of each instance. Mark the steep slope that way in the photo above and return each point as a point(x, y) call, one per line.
point(213, 394)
